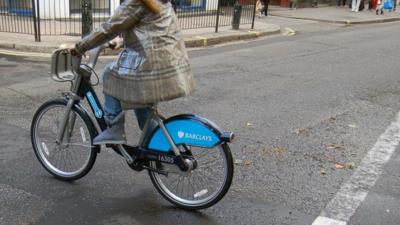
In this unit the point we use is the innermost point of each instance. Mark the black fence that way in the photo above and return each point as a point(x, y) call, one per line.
point(74, 17)
point(205, 13)
point(17, 16)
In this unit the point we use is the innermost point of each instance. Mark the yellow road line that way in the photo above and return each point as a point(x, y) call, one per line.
point(205, 40)
point(255, 32)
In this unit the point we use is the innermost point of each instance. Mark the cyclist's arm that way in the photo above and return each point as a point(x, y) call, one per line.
point(125, 17)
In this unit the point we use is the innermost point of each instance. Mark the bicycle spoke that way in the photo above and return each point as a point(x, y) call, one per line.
point(71, 157)
point(74, 160)
point(191, 185)
point(207, 164)
point(175, 181)
point(178, 185)
point(81, 145)
point(200, 185)
point(202, 155)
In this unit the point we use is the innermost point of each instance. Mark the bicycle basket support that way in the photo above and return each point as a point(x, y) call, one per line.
point(61, 66)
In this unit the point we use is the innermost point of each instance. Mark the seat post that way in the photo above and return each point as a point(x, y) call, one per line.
point(153, 115)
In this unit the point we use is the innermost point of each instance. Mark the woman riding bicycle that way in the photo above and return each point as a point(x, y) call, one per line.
point(187, 156)
point(152, 67)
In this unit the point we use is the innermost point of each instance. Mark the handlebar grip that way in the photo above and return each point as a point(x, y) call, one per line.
point(74, 52)
point(112, 45)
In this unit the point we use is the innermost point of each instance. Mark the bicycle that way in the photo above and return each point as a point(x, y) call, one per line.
point(187, 157)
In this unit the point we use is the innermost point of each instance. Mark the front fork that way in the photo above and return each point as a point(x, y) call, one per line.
point(68, 122)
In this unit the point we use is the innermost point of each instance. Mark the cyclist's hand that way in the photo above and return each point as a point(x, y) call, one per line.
point(116, 43)
point(71, 49)
point(74, 52)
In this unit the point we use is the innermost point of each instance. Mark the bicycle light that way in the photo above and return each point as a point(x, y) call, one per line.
point(227, 137)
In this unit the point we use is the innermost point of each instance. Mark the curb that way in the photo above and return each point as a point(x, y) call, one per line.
point(203, 41)
point(191, 42)
point(346, 22)
point(27, 48)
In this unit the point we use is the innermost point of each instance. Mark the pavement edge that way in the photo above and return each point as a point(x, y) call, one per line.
point(346, 22)
point(190, 42)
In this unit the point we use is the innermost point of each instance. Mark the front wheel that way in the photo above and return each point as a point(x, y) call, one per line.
point(201, 187)
point(75, 156)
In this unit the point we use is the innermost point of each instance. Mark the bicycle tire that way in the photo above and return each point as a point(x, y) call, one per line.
point(197, 204)
point(39, 150)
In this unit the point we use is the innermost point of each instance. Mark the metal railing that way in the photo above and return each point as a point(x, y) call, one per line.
point(75, 17)
point(209, 15)
point(67, 17)
point(16, 16)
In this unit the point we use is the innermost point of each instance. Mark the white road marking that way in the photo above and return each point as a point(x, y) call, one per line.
point(355, 190)
point(327, 221)
point(288, 31)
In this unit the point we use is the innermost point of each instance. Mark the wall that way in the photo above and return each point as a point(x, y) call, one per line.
point(57, 9)
point(211, 4)
point(53, 8)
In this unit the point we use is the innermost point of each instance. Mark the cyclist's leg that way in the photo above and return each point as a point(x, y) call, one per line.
point(112, 107)
point(115, 118)
point(141, 116)
point(113, 113)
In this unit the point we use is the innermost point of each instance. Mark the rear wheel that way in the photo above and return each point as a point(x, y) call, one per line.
point(75, 156)
point(201, 187)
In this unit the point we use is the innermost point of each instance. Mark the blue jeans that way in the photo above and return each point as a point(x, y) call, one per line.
point(112, 107)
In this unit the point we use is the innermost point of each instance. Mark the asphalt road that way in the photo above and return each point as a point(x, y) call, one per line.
point(306, 110)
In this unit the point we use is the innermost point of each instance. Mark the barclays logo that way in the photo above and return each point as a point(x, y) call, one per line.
point(181, 134)
point(192, 136)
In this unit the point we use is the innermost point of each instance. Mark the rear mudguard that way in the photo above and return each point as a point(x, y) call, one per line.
point(190, 130)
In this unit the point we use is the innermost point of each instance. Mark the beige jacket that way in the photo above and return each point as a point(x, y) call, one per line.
point(153, 65)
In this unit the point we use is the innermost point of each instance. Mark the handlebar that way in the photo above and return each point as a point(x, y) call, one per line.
point(94, 53)
point(64, 64)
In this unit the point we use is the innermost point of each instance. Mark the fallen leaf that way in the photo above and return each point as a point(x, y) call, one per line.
point(334, 146)
point(278, 150)
point(248, 162)
point(301, 131)
point(339, 166)
point(332, 119)
point(351, 165)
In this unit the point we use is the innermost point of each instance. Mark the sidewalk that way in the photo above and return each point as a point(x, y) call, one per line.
point(200, 37)
point(336, 15)
point(206, 36)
